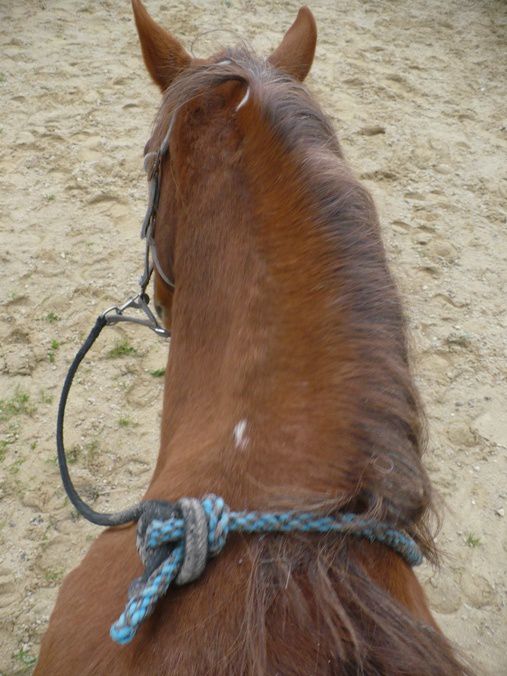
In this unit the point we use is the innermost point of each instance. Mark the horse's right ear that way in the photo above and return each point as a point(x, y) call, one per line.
point(163, 55)
point(295, 53)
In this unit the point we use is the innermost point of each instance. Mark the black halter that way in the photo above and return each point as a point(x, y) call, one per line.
point(115, 315)
point(118, 313)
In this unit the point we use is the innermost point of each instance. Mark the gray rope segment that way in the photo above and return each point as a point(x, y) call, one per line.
point(196, 540)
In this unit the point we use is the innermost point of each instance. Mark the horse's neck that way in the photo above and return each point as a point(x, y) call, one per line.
point(276, 342)
point(255, 384)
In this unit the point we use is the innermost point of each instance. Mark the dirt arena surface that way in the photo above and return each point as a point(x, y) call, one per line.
point(415, 92)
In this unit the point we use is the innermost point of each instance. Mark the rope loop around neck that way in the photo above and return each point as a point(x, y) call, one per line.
point(175, 541)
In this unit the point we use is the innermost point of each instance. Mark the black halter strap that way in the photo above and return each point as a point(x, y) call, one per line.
point(115, 315)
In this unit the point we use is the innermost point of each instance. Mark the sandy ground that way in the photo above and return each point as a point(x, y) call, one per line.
point(415, 91)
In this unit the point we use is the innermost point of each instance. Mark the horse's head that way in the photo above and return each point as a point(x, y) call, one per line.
point(170, 66)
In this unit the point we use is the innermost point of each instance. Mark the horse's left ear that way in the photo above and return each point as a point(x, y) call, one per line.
point(163, 55)
point(297, 49)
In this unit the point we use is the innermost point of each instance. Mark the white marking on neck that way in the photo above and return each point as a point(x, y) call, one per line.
point(240, 438)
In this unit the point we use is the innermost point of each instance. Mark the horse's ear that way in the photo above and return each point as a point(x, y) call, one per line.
point(163, 55)
point(297, 49)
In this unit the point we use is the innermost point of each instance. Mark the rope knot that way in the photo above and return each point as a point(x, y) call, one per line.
point(206, 526)
point(201, 525)
point(174, 542)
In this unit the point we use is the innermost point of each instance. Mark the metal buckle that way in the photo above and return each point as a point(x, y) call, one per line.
point(116, 314)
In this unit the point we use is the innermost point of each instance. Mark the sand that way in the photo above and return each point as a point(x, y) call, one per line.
point(415, 91)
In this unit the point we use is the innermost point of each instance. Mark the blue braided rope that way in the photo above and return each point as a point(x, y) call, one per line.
point(221, 522)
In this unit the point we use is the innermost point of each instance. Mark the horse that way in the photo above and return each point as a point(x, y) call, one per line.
point(288, 386)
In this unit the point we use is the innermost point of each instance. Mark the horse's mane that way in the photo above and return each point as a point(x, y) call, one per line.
point(325, 583)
